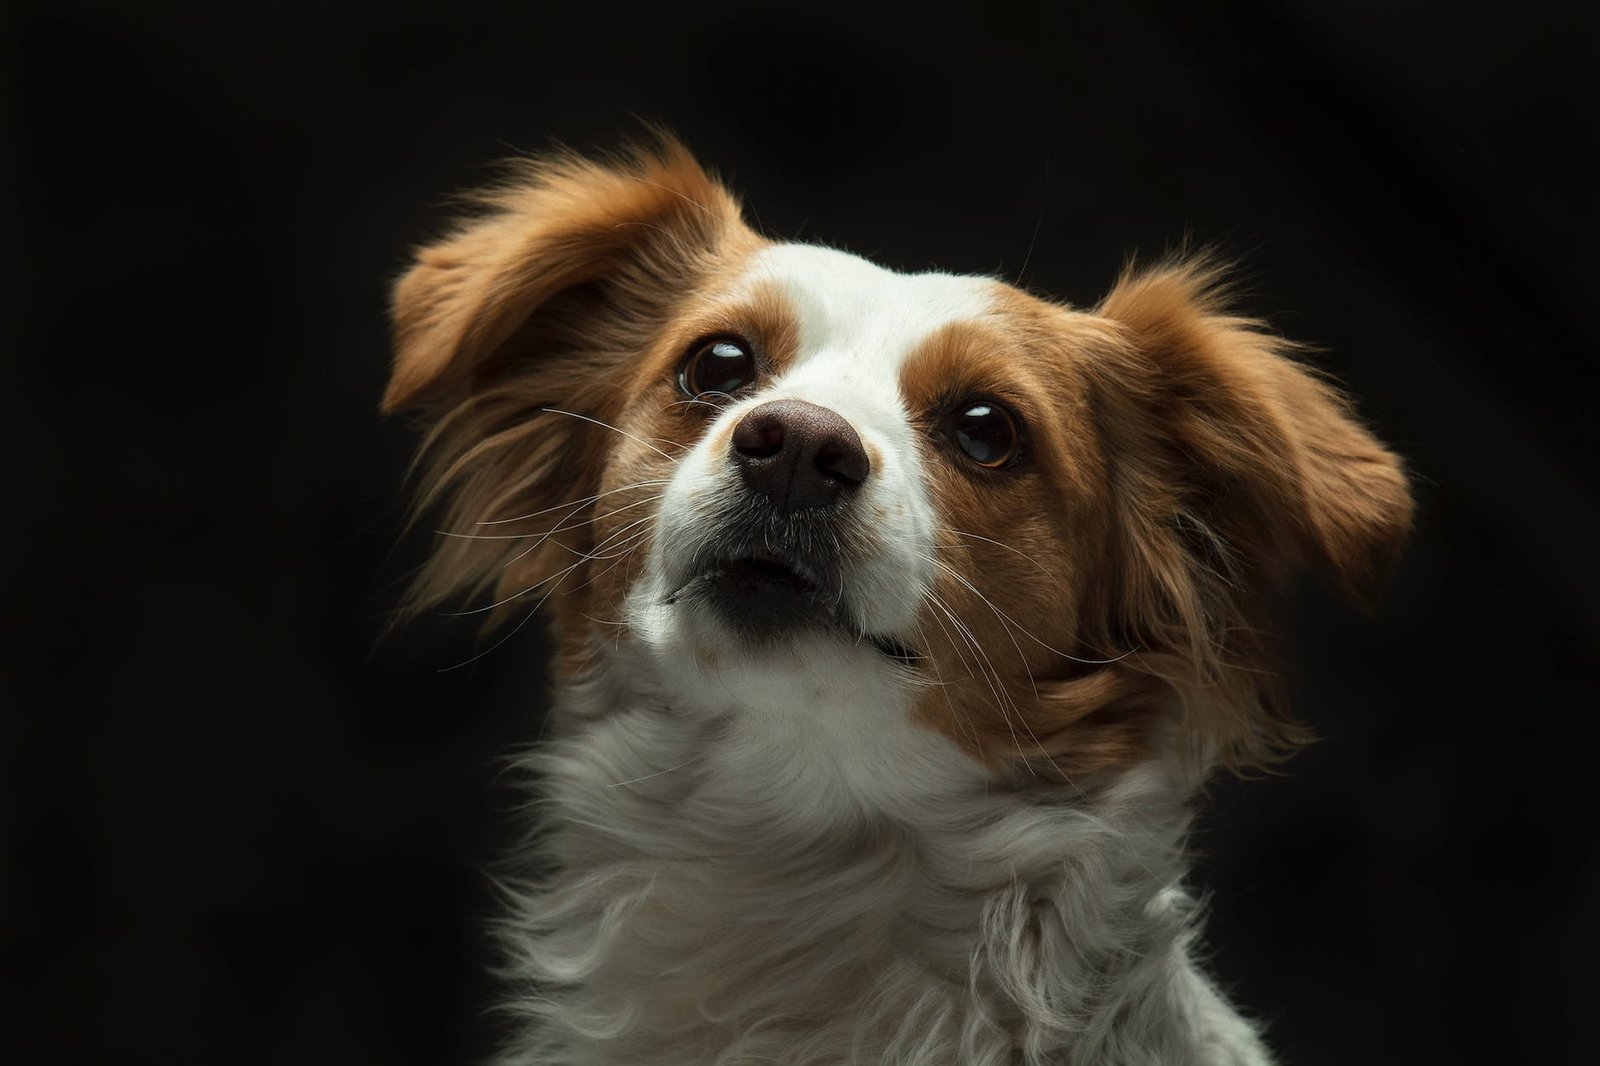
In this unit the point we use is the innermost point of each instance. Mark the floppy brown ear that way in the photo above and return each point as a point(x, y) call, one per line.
point(536, 310)
point(1237, 467)
point(642, 223)
point(1288, 467)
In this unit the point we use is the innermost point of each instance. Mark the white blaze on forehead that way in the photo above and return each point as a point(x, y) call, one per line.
point(859, 318)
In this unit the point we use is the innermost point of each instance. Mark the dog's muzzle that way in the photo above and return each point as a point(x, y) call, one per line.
point(778, 554)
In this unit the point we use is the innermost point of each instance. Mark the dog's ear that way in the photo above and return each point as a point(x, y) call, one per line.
point(1239, 466)
point(1282, 458)
point(638, 227)
point(517, 338)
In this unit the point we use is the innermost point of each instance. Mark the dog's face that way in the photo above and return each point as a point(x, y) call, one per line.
point(799, 481)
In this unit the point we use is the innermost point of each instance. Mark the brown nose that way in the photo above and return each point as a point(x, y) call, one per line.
point(799, 454)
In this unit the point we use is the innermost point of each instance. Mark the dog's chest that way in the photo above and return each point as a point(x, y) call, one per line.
point(706, 894)
point(732, 889)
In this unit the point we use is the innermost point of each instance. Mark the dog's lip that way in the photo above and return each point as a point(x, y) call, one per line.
point(764, 561)
point(781, 566)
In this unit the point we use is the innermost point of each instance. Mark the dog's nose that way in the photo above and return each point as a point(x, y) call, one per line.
point(799, 454)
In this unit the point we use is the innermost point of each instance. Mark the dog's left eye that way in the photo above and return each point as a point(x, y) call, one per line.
point(986, 431)
point(720, 366)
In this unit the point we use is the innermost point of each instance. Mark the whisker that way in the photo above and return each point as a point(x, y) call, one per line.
point(992, 678)
point(582, 558)
point(728, 397)
point(513, 631)
point(658, 773)
point(1024, 630)
point(955, 712)
point(947, 568)
point(621, 557)
point(1000, 544)
point(573, 505)
point(614, 429)
point(1006, 699)
point(576, 525)
point(483, 536)
point(1044, 201)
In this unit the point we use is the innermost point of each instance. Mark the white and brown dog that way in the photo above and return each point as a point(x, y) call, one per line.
point(901, 617)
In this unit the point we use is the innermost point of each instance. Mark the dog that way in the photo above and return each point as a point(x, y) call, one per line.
point(899, 618)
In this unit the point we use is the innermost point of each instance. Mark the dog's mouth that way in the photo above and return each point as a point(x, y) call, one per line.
point(767, 597)
point(765, 573)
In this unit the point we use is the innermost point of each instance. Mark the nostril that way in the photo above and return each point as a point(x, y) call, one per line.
point(758, 436)
point(842, 458)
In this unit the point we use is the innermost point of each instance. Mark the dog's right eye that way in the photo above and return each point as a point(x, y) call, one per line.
point(986, 432)
point(717, 366)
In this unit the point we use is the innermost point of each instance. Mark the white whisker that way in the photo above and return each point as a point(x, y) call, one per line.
point(658, 773)
point(1024, 630)
point(575, 504)
point(1000, 544)
point(614, 429)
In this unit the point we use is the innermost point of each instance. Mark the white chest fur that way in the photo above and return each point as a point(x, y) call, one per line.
point(729, 888)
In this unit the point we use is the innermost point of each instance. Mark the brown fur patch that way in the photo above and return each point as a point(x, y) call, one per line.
point(1179, 467)
point(1001, 632)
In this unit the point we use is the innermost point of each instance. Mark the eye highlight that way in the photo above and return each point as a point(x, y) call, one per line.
point(985, 431)
point(716, 365)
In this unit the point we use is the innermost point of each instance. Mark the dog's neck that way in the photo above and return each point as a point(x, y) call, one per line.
point(780, 884)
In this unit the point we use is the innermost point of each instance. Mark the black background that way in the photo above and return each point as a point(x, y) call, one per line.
point(238, 827)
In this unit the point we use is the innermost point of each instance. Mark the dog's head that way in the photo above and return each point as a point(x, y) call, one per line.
point(783, 471)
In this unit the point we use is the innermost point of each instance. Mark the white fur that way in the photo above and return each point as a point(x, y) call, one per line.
point(759, 858)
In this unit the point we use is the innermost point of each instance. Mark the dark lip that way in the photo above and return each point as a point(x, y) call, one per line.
point(770, 564)
point(791, 577)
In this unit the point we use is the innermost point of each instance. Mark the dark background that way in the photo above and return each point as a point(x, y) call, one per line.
point(237, 827)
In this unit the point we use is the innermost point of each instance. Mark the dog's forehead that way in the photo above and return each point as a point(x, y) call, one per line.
point(848, 308)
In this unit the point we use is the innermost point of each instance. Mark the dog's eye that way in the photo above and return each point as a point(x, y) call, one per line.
point(721, 365)
point(987, 432)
